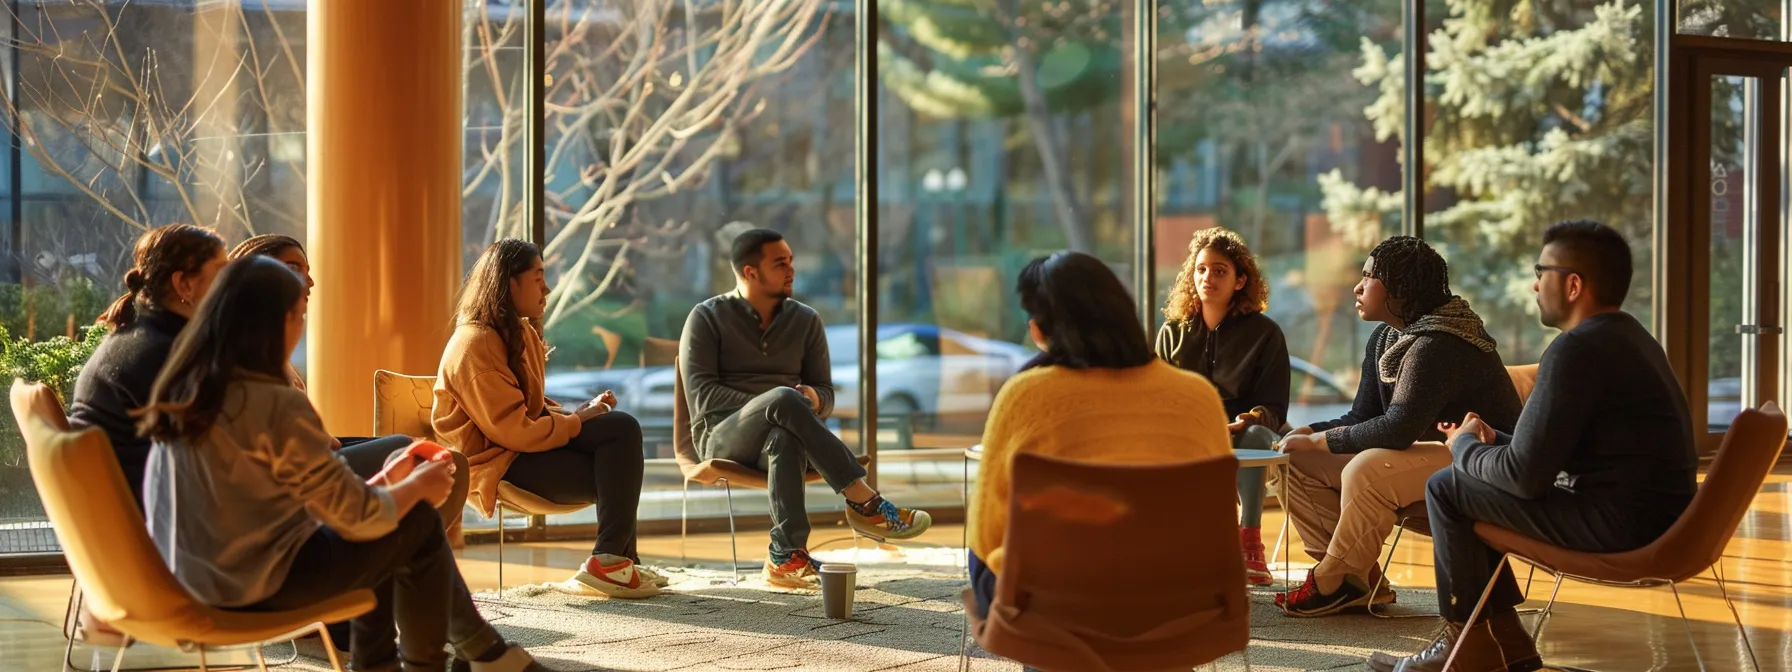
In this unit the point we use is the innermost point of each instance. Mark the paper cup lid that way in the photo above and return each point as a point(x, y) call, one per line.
point(832, 567)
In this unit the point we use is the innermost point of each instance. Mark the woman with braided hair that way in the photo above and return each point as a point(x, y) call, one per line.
point(1430, 361)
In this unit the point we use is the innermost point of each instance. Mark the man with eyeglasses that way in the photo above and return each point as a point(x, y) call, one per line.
point(1602, 459)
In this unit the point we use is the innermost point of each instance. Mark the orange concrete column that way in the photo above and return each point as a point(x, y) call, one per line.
point(384, 138)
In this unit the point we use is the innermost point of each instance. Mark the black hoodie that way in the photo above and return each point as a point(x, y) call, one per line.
point(1246, 358)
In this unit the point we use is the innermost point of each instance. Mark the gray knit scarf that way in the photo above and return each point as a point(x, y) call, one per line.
point(1454, 318)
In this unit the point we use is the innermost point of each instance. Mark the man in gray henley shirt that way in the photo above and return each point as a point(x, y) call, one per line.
point(758, 383)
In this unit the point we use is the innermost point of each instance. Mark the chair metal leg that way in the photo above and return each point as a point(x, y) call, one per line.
point(733, 542)
point(684, 523)
point(1690, 639)
point(964, 636)
point(203, 667)
point(74, 603)
point(118, 660)
point(965, 530)
point(1505, 560)
point(500, 551)
point(1543, 616)
point(1717, 570)
point(330, 648)
point(1282, 538)
point(1381, 612)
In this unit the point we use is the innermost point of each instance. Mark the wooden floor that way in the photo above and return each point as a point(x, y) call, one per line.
point(1594, 627)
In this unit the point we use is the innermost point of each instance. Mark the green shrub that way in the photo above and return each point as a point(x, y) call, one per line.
point(55, 362)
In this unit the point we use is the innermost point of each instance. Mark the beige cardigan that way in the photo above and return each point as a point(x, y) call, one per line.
point(483, 411)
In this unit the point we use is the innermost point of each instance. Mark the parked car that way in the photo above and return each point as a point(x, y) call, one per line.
point(942, 379)
point(1314, 395)
point(924, 371)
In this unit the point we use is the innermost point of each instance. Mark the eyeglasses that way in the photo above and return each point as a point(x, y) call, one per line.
point(1541, 269)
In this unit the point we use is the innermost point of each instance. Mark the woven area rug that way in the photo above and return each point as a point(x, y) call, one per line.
point(907, 617)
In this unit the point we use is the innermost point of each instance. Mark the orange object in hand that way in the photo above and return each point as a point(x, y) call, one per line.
point(421, 450)
point(427, 450)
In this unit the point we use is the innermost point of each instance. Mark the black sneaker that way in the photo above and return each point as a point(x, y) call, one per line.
point(1307, 602)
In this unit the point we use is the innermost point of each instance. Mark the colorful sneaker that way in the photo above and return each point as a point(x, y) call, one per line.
point(621, 580)
point(1256, 568)
point(1307, 602)
point(882, 521)
point(797, 573)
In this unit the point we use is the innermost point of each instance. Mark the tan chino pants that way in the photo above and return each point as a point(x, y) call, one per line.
point(1344, 505)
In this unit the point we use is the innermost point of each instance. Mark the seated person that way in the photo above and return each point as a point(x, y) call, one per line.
point(1431, 361)
point(758, 382)
point(1602, 460)
point(491, 404)
point(1214, 326)
point(172, 268)
point(1079, 400)
point(251, 510)
point(365, 456)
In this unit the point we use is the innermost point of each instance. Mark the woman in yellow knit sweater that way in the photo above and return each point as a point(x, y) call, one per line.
point(1096, 393)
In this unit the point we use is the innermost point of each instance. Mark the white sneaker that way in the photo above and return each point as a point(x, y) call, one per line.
point(621, 580)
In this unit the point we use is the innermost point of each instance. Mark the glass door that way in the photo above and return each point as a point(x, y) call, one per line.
point(1728, 208)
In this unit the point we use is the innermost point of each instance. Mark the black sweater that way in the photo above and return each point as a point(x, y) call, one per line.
point(117, 380)
point(1442, 378)
point(1607, 418)
point(1246, 359)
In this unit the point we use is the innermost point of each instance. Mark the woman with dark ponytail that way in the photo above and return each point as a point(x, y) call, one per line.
point(172, 269)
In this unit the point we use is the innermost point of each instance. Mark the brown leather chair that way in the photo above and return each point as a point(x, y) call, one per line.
point(1693, 544)
point(726, 473)
point(121, 572)
point(1192, 610)
point(1413, 517)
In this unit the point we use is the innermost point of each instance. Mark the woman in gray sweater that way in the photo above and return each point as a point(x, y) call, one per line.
point(251, 510)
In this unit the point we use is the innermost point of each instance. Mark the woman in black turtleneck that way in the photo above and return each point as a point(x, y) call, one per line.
point(1215, 326)
point(172, 268)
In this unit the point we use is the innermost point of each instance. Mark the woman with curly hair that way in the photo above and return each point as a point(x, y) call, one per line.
point(1214, 326)
point(1431, 361)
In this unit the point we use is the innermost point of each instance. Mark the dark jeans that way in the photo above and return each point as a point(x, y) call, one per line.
point(419, 591)
point(1575, 521)
point(778, 433)
point(601, 465)
point(367, 457)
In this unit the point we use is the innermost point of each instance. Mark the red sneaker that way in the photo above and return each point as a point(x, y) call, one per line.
point(1305, 592)
point(796, 573)
point(617, 580)
point(1256, 568)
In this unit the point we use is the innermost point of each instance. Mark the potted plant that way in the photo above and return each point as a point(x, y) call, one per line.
point(55, 362)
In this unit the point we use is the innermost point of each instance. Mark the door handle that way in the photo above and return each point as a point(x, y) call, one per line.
point(1756, 330)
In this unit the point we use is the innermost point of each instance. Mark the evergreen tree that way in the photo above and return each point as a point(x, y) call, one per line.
point(1537, 112)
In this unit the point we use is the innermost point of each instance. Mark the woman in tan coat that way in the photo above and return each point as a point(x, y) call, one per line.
point(490, 404)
